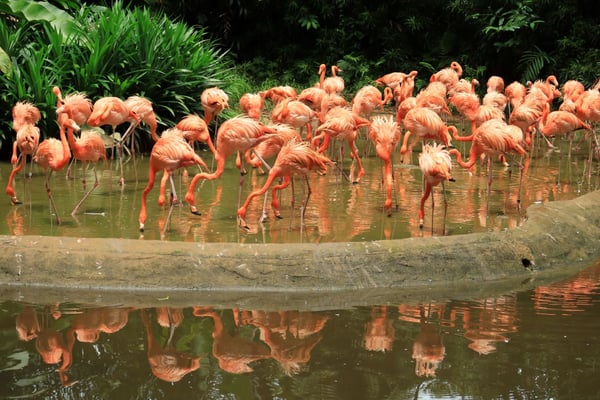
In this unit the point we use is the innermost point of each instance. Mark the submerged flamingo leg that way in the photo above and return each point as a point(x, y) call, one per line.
point(94, 186)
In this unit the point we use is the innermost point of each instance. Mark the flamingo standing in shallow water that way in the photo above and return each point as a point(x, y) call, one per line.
point(342, 124)
point(88, 148)
point(25, 114)
point(236, 135)
point(192, 129)
point(52, 155)
point(493, 138)
point(425, 124)
point(294, 113)
point(169, 154)
point(28, 137)
point(436, 165)
point(385, 134)
point(294, 158)
point(75, 106)
point(560, 122)
point(113, 111)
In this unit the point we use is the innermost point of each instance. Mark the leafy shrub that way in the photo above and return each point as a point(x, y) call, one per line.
point(109, 52)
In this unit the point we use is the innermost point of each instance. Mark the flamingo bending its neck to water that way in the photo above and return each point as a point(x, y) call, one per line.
point(385, 133)
point(436, 165)
point(294, 158)
point(236, 135)
point(88, 148)
point(169, 154)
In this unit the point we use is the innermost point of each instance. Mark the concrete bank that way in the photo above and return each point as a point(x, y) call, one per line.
point(557, 239)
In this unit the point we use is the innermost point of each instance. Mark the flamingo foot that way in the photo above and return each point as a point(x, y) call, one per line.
point(175, 201)
point(195, 211)
point(264, 217)
point(243, 224)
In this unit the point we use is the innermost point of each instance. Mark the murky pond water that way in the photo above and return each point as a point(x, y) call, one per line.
point(337, 210)
point(542, 343)
point(530, 344)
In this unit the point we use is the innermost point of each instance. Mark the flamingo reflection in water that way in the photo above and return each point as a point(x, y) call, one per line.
point(234, 352)
point(291, 335)
point(49, 341)
point(379, 331)
point(428, 348)
point(166, 362)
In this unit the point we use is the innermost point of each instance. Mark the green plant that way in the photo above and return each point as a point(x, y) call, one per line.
point(112, 52)
point(532, 63)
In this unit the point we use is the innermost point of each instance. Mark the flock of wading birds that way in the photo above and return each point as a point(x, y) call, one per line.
point(502, 122)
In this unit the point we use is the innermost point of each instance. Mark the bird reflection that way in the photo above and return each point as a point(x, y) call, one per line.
point(428, 348)
point(49, 341)
point(233, 351)
point(166, 362)
point(379, 331)
point(291, 335)
point(487, 322)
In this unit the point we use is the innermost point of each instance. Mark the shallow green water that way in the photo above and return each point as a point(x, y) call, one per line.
point(531, 344)
point(337, 210)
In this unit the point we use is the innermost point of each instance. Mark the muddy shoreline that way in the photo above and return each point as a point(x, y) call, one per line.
point(558, 239)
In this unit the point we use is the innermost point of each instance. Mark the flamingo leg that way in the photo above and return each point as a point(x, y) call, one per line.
point(30, 168)
point(445, 206)
point(167, 226)
point(71, 165)
point(305, 201)
point(264, 216)
point(147, 189)
point(49, 192)
point(489, 183)
point(94, 186)
point(354, 152)
point(432, 208)
point(521, 168)
point(275, 198)
point(424, 197)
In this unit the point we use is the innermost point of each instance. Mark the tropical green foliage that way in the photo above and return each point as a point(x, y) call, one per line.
point(107, 51)
point(111, 47)
point(515, 39)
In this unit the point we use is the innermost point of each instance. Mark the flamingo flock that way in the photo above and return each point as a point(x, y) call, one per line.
point(306, 129)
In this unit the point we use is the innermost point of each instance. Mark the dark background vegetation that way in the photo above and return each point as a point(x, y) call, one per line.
point(248, 45)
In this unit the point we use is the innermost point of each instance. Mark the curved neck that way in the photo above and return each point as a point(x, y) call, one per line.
point(459, 158)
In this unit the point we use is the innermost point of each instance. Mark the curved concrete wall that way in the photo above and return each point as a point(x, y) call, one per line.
point(557, 238)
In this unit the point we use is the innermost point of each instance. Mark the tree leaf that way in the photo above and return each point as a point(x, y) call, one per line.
point(5, 63)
